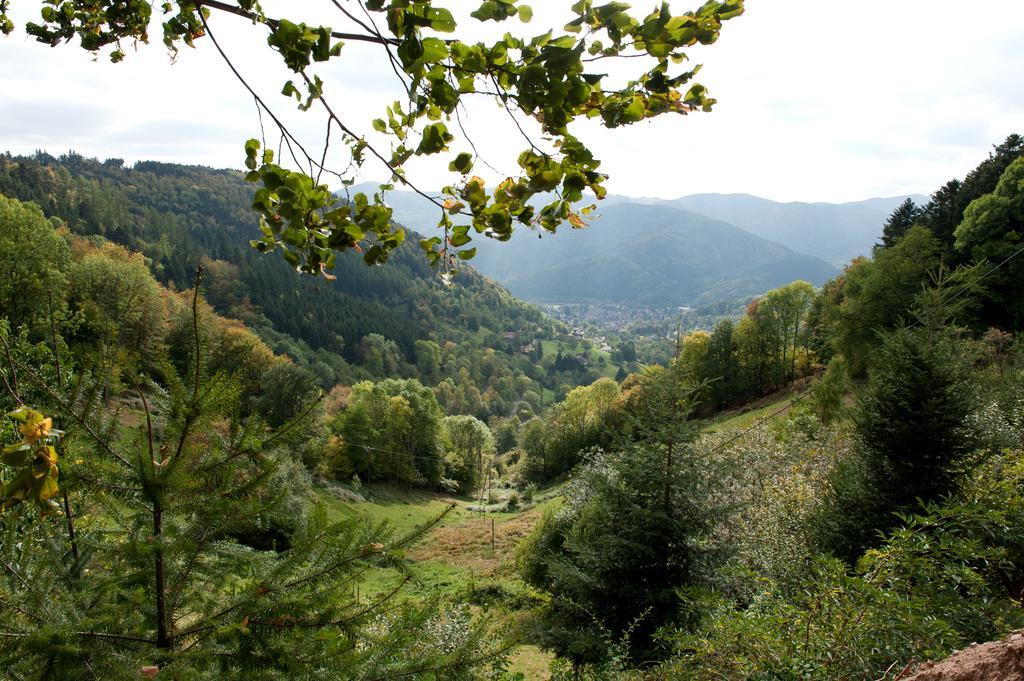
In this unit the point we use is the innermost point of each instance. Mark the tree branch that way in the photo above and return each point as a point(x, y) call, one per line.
point(273, 23)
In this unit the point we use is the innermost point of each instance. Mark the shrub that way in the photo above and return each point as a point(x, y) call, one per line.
point(774, 479)
point(949, 574)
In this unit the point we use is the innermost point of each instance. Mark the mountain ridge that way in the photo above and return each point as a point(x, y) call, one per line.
point(647, 255)
point(746, 263)
point(834, 232)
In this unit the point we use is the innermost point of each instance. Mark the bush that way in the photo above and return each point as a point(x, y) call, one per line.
point(949, 574)
point(931, 588)
point(775, 478)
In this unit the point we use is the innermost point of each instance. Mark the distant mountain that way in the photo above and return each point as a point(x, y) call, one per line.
point(649, 254)
point(835, 232)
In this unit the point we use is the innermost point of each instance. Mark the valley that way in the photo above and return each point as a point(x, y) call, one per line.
point(565, 397)
point(506, 474)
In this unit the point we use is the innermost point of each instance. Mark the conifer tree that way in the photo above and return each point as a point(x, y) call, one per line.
point(914, 445)
point(141, 570)
point(631, 533)
point(900, 220)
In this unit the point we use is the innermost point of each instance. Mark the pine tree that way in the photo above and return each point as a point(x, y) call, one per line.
point(914, 446)
point(900, 220)
point(631, 533)
point(146, 567)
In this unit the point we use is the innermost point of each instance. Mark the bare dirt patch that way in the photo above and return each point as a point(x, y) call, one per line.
point(997, 661)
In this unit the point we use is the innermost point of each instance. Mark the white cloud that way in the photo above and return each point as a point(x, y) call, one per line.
point(817, 101)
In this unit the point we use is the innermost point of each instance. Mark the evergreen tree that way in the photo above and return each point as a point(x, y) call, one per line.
point(633, 531)
point(900, 220)
point(140, 571)
point(944, 211)
point(914, 443)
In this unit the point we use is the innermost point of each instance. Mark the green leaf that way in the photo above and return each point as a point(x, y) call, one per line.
point(463, 163)
point(460, 236)
point(636, 110)
point(435, 139)
point(441, 19)
point(434, 50)
point(487, 11)
point(16, 455)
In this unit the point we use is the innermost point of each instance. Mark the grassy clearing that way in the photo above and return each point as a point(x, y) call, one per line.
point(745, 416)
point(469, 555)
point(404, 510)
point(531, 662)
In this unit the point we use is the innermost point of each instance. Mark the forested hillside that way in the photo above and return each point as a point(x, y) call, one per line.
point(367, 322)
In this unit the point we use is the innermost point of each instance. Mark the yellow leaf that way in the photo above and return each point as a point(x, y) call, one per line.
point(48, 487)
point(35, 428)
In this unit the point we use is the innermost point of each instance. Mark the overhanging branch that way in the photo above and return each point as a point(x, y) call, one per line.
point(238, 11)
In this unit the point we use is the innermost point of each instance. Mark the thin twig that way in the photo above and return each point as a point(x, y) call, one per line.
point(12, 387)
point(287, 137)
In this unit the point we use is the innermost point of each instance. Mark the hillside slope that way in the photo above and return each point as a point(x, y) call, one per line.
point(183, 216)
point(647, 255)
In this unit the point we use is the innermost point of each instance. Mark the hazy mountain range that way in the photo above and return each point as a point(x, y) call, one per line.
point(696, 249)
point(835, 232)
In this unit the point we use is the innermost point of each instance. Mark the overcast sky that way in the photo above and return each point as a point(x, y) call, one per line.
point(818, 101)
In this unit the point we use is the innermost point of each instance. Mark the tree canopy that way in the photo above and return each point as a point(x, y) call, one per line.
point(546, 82)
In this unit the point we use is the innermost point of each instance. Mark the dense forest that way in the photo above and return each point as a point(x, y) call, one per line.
point(485, 346)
